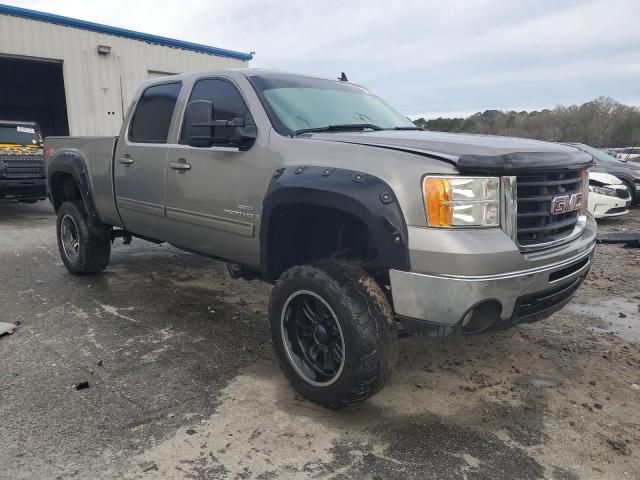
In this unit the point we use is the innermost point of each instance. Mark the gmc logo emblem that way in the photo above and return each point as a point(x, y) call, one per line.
point(566, 203)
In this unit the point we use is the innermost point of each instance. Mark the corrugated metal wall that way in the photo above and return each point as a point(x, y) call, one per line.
point(97, 85)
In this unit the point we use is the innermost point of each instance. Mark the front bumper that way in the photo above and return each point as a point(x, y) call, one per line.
point(23, 189)
point(601, 206)
point(504, 299)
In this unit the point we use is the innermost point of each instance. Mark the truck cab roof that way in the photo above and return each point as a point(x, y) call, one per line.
point(244, 72)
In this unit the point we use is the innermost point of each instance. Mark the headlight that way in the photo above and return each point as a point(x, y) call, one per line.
point(452, 202)
point(603, 191)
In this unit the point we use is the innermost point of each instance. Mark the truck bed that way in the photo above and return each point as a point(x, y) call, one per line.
point(97, 154)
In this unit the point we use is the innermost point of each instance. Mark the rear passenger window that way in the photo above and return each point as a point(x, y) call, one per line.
point(227, 103)
point(152, 118)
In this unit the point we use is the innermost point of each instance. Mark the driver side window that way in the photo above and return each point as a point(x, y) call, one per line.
point(227, 103)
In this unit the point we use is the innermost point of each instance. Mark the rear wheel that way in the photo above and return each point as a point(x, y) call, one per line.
point(333, 333)
point(84, 248)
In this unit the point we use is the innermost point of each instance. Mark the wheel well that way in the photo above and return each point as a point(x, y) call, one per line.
point(299, 233)
point(63, 189)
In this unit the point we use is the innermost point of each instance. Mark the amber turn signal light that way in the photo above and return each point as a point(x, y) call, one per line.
point(437, 198)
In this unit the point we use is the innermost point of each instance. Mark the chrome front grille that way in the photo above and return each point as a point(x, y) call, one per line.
point(536, 223)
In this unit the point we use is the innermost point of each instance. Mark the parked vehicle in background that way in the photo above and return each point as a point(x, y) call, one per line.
point(21, 162)
point(608, 196)
point(360, 219)
point(629, 154)
point(629, 173)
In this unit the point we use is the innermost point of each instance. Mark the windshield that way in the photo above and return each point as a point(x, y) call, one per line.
point(299, 103)
point(599, 155)
point(19, 135)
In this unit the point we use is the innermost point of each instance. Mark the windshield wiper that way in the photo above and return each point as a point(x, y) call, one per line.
point(406, 128)
point(338, 128)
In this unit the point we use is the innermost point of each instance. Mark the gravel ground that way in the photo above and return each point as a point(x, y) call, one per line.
point(183, 384)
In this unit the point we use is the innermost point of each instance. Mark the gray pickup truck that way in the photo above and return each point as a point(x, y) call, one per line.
point(365, 224)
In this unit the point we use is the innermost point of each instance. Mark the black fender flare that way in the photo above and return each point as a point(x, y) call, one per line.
point(364, 196)
point(72, 164)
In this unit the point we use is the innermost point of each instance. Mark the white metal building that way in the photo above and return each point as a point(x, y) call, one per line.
point(76, 77)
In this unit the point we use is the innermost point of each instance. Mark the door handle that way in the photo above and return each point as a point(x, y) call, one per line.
point(181, 165)
point(126, 160)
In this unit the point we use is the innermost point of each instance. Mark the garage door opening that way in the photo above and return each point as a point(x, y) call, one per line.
point(33, 91)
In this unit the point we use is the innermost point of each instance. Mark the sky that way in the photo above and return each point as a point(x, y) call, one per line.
point(426, 58)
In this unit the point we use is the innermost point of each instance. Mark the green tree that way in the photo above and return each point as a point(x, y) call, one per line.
point(602, 122)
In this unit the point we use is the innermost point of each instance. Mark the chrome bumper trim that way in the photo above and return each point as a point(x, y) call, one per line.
point(553, 266)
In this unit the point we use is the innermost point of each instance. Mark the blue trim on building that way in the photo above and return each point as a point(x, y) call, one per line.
point(120, 32)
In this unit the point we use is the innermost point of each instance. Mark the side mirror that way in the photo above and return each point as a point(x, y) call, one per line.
point(201, 125)
point(246, 133)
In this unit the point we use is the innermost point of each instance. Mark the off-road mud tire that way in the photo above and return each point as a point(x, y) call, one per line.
point(367, 325)
point(93, 242)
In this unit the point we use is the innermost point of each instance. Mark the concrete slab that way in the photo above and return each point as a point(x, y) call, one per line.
point(183, 384)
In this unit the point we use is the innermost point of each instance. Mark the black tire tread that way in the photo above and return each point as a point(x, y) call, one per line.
point(95, 244)
point(373, 319)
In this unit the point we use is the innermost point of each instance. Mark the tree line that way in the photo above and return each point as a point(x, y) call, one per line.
point(600, 123)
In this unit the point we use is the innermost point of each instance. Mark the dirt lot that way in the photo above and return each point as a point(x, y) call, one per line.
point(183, 383)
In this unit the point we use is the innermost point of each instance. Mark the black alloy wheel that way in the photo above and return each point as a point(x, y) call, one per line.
point(313, 338)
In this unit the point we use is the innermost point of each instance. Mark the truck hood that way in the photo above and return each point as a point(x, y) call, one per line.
point(471, 153)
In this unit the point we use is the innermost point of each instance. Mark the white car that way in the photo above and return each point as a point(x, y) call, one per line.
point(608, 196)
